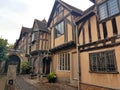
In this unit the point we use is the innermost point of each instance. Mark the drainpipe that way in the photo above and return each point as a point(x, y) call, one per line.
point(39, 72)
point(78, 59)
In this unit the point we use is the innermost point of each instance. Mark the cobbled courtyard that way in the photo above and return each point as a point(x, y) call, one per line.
point(25, 83)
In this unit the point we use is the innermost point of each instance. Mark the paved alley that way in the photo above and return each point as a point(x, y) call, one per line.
point(24, 83)
point(21, 84)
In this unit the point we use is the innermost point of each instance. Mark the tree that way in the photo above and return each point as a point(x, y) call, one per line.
point(3, 49)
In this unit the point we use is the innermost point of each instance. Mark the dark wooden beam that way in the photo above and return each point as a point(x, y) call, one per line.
point(81, 27)
point(89, 30)
point(114, 26)
point(64, 46)
point(104, 29)
point(87, 47)
point(101, 47)
point(83, 36)
point(98, 28)
point(66, 31)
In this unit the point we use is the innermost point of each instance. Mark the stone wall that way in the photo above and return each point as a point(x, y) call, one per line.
point(2, 66)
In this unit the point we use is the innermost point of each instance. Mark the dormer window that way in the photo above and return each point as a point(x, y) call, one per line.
point(109, 9)
point(59, 29)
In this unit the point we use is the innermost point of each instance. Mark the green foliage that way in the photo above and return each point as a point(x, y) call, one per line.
point(3, 49)
point(51, 75)
point(24, 67)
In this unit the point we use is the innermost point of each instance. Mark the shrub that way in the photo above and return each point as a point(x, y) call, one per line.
point(25, 67)
point(51, 77)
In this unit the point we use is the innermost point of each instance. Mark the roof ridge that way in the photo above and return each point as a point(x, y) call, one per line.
point(73, 7)
point(41, 21)
point(25, 27)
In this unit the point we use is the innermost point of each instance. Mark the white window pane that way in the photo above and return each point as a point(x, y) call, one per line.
point(62, 27)
point(33, 36)
point(113, 7)
point(59, 29)
point(103, 11)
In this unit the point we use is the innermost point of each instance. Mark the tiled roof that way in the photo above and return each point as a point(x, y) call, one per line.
point(42, 25)
point(25, 30)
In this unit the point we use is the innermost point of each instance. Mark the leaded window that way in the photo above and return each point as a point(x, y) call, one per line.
point(113, 7)
point(103, 61)
point(103, 11)
point(109, 8)
point(59, 29)
point(64, 61)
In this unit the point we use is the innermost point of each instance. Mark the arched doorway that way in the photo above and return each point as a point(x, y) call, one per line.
point(13, 60)
point(46, 65)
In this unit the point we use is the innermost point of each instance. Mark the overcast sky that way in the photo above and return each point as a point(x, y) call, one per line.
point(17, 13)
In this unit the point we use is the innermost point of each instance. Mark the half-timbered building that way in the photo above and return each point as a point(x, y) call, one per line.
point(62, 26)
point(39, 47)
point(98, 44)
point(22, 43)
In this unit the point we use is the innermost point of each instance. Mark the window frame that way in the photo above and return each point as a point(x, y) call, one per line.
point(102, 57)
point(63, 60)
point(109, 17)
point(108, 4)
point(55, 30)
point(33, 37)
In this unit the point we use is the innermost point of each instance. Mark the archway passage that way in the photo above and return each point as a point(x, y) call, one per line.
point(13, 60)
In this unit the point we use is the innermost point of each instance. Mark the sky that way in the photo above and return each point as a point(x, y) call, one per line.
point(17, 13)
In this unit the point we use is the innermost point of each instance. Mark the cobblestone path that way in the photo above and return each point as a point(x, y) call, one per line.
point(21, 84)
point(24, 83)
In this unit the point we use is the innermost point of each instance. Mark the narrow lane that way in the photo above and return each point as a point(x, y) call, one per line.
point(24, 83)
point(21, 84)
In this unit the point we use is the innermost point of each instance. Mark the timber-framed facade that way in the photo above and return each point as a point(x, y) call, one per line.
point(62, 26)
point(98, 44)
point(81, 47)
point(39, 46)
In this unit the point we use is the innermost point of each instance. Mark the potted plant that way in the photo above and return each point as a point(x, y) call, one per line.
point(51, 77)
